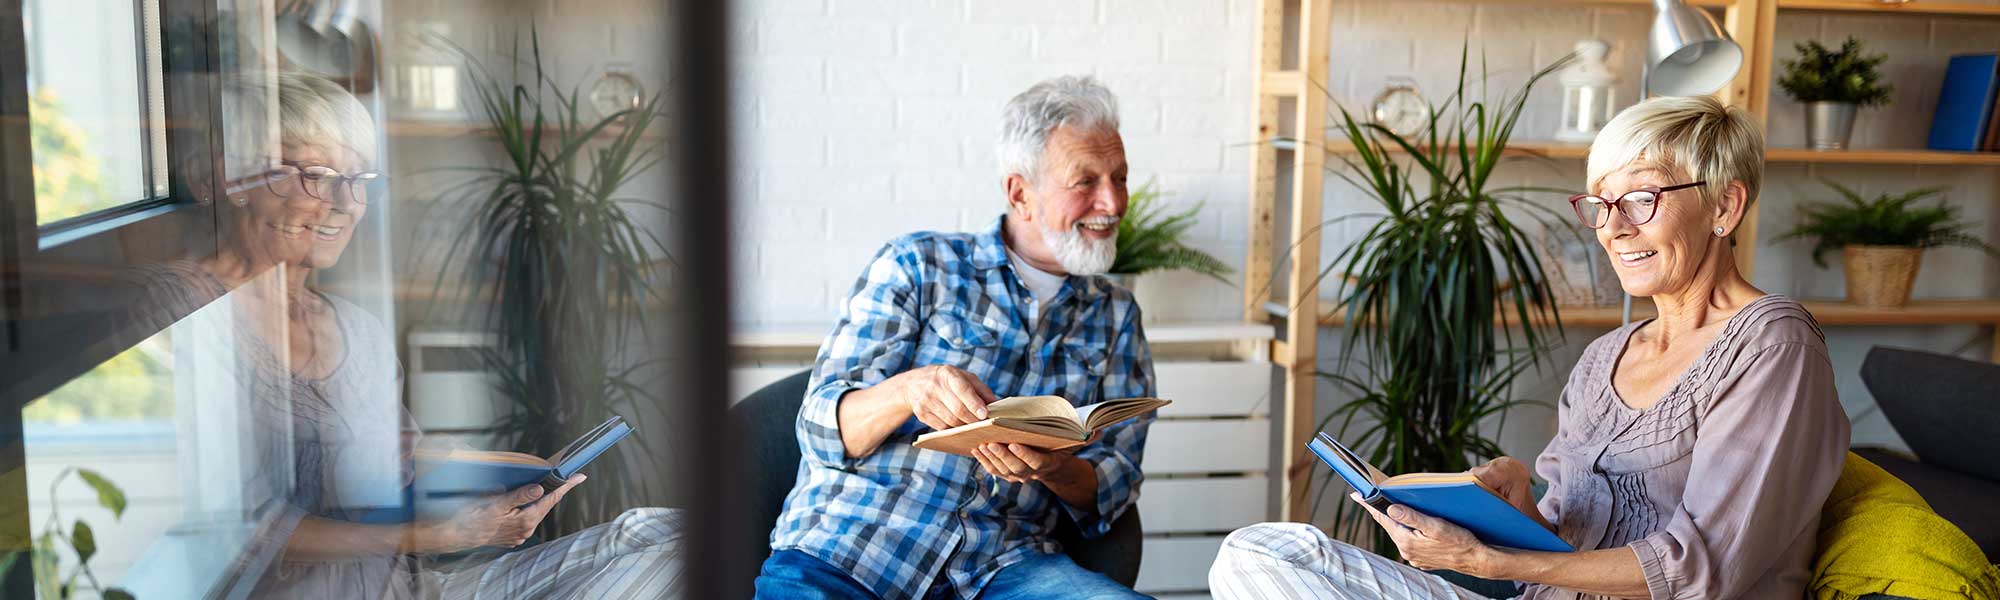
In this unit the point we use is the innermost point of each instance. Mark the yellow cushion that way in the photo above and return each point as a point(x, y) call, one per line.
point(1877, 536)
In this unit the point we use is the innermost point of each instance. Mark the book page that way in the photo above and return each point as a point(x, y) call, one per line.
point(1110, 412)
point(1033, 407)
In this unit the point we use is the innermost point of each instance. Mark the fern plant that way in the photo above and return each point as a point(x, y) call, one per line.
point(1887, 220)
point(1444, 295)
point(1150, 240)
point(1845, 75)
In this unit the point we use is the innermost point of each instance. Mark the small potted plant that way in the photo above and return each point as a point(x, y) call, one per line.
point(1149, 240)
point(1883, 240)
point(1833, 84)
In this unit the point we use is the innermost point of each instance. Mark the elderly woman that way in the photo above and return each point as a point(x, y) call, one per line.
point(1692, 451)
point(323, 369)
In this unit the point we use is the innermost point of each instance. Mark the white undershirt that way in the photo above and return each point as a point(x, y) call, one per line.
point(1043, 284)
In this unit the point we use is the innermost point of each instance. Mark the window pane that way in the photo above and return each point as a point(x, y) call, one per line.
point(87, 106)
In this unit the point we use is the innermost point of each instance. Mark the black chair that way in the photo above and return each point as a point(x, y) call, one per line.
point(767, 419)
point(1946, 408)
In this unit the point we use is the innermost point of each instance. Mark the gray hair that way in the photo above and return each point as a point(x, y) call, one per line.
point(1696, 136)
point(310, 112)
point(1074, 100)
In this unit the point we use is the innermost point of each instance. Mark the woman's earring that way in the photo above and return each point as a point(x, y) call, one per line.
point(1718, 231)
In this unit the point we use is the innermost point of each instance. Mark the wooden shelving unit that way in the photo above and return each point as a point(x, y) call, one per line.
point(1751, 22)
point(1559, 150)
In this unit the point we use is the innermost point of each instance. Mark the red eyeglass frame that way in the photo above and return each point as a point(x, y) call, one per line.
point(1610, 205)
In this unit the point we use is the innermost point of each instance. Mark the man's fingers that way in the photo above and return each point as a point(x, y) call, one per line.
point(1009, 460)
point(964, 399)
point(985, 394)
point(1036, 460)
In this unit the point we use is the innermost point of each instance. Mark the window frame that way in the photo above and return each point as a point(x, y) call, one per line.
point(79, 260)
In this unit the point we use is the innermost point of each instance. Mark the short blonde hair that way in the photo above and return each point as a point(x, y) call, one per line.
point(1697, 137)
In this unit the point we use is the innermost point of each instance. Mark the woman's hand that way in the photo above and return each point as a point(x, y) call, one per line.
point(503, 520)
point(1428, 542)
point(1511, 479)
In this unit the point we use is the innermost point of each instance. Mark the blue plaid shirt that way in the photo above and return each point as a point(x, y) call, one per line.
point(903, 520)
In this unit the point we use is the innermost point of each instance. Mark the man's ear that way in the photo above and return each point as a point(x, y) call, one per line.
point(1017, 197)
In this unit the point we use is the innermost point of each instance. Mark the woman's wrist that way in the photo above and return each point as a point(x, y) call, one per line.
point(1488, 562)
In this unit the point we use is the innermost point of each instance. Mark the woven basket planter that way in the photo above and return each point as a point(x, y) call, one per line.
point(1881, 275)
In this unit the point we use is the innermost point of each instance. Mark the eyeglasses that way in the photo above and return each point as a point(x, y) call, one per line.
point(322, 182)
point(1638, 205)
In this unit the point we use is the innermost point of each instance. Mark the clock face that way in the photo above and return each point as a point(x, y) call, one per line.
point(1401, 110)
point(614, 92)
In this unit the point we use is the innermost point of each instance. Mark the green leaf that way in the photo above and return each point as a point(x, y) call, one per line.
point(81, 539)
point(118, 594)
point(108, 494)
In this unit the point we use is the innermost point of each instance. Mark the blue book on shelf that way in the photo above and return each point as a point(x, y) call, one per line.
point(1965, 104)
point(1456, 497)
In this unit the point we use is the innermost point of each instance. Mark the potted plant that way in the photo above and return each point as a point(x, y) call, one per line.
point(561, 274)
point(1149, 240)
point(1883, 239)
point(1445, 296)
point(1833, 84)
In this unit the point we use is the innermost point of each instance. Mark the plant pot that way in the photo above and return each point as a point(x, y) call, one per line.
point(1881, 275)
point(1829, 125)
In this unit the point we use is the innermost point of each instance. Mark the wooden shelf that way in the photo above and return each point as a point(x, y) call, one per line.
point(1828, 312)
point(1772, 155)
point(1916, 7)
point(446, 129)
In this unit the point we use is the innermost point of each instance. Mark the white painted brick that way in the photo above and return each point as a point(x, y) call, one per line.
point(876, 149)
point(986, 42)
point(763, 75)
point(1138, 114)
point(978, 153)
point(1173, 153)
point(781, 148)
point(1196, 117)
point(925, 11)
point(1100, 44)
point(816, 113)
point(1025, 12)
point(969, 187)
point(821, 186)
point(1199, 13)
point(1165, 81)
point(828, 37)
point(1001, 80)
point(948, 115)
point(1205, 46)
point(903, 76)
point(770, 9)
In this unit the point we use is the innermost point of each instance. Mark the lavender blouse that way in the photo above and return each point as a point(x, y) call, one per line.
point(1718, 486)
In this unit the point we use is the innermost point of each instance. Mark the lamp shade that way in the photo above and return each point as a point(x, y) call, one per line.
point(1688, 53)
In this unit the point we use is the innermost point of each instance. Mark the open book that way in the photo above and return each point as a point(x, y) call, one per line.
point(473, 472)
point(1456, 497)
point(1046, 423)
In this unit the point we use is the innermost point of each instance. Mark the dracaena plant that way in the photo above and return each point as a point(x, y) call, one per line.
point(1886, 220)
point(561, 274)
point(1150, 239)
point(1445, 299)
point(1845, 75)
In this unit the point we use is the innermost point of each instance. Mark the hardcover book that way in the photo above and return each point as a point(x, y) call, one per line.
point(1456, 497)
point(1965, 103)
point(1047, 423)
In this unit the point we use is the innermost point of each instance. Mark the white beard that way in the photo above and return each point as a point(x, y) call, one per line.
point(1080, 255)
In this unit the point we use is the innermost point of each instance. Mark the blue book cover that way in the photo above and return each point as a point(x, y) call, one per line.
point(1458, 498)
point(1965, 102)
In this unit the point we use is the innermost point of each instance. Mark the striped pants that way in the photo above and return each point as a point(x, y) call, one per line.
point(1298, 561)
point(636, 555)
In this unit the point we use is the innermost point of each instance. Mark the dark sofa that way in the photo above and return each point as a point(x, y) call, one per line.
point(1948, 410)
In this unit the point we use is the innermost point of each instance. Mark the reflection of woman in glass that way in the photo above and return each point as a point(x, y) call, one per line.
point(331, 367)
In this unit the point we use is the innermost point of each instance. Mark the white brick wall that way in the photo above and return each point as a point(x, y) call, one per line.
point(860, 121)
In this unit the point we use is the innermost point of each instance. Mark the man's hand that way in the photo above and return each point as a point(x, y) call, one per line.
point(941, 396)
point(1511, 479)
point(504, 520)
point(1017, 463)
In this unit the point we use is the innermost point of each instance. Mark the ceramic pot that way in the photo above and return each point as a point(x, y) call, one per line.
point(1881, 275)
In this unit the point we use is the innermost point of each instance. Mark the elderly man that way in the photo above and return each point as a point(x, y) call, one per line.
point(940, 325)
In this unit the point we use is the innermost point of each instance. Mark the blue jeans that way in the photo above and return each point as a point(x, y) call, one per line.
point(791, 574)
